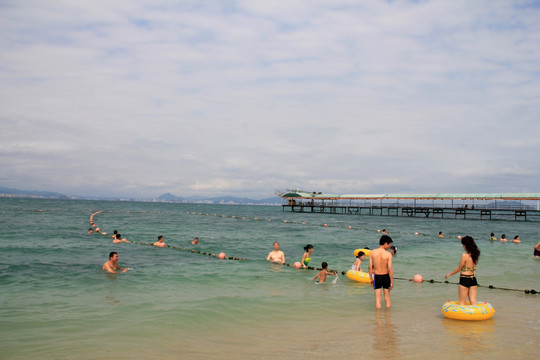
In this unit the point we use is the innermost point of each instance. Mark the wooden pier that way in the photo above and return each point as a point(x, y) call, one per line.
point(442, 213)
point(455, 206)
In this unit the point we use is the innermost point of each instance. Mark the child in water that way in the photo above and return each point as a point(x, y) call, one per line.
point(358, 263)
point(323, 273)
point(306, 258)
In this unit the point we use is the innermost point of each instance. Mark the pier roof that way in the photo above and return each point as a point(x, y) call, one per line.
point(298, 194)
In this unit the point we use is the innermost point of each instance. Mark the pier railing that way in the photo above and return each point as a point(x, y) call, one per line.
point(411, 209)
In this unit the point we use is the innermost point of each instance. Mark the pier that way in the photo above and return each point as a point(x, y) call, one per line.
point(523, 207)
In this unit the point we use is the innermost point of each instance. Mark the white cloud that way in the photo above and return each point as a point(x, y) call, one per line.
point(225, 97)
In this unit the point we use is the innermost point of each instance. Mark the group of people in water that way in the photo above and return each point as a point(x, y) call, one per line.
point(516, 239)
point(380, 269)
point(381, 273)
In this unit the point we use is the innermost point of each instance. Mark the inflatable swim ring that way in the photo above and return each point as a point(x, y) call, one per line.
point(480, 311)
point(359, 276)
point(366, 251)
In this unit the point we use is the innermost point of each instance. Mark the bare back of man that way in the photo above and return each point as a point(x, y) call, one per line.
point(381, 272)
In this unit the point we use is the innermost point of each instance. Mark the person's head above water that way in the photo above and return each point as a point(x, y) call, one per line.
point(308, 247)
point(385, 239)
point(324, 265)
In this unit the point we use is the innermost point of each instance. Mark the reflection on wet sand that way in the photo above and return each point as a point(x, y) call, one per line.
point(386, 340)
point(469, 337)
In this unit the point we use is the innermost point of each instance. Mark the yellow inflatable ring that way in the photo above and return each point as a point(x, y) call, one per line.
point(480, 311)
point(359, 276)
point(366, 252)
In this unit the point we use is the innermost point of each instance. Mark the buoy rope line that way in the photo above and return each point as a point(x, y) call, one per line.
point(237, 217)
point(526, 291)
point(432, 281)
point(98, 230)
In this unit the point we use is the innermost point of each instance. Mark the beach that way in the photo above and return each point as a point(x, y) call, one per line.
point(56, 303)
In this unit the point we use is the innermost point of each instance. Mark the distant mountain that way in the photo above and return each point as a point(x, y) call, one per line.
point(9, 192)
point(168, 197)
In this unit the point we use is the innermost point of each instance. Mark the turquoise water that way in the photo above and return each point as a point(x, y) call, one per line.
point(57, 304)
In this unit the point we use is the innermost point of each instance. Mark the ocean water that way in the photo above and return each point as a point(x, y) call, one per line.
point(56, 303)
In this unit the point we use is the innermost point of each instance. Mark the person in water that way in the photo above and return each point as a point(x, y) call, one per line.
point(516, 239)
point(503, 238)
point(537, 250)
point(91, 230)
point(492, 237)
point(323, 273)
point(381, 273)
point(112, 265)
point(160, 242)
point(468, 285)
point(306, 258)
point(357, 266)
point(114, 234)
point(276, 256)
point(393, 250)
point(195, 241)
point(119, 239)
point(441, 235)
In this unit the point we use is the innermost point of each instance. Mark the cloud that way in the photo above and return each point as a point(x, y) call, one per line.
point(136, 98)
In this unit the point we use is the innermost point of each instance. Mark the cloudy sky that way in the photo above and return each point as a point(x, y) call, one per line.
point(138, 98)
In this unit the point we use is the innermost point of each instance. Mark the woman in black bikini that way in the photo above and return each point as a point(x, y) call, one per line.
point(467, 265)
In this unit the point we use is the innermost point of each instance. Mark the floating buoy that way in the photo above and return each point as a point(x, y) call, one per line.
point(325, 225)
point(359, 276)
point(297, 265)
point(366, 252)
point(480, 311)
point(418, 278)
point(416, 233)
point(350, 227)
point(222, 255)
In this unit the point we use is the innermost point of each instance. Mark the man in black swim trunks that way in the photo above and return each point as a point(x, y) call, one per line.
point(380, 266)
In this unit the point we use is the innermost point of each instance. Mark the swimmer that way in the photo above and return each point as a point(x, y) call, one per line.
point(441, 234)
point(306, 258)
point(112, 265)
point(195, 241)
point(114, 234)
point(492, 237)
point(503, 238)
point(537, 250)
point(160, 242)
point(381, 273)
point(384, 231)
point(119, 239)
point(468, 285)
point(393, 250)
point(276, 256)
point(91, 230)
point(357, 266)
point(323, 273)
point(516, 239)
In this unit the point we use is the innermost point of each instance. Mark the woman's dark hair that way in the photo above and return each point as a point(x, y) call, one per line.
point(360, 254)
point(308, 246)
point(471, 248)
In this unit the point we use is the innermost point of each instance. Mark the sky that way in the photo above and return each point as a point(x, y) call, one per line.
point(241, 98)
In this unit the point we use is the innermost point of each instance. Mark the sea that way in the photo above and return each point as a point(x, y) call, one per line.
point(183, 302)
